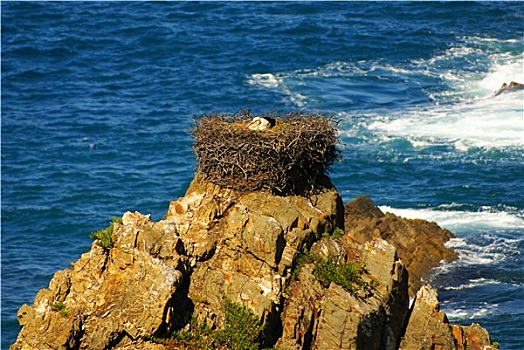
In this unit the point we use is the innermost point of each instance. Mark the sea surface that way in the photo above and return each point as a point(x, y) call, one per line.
point(97, 99)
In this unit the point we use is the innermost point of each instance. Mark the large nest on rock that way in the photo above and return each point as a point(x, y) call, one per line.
point(292, 157)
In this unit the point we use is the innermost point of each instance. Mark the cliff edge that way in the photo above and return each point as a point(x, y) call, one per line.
point(278, 257)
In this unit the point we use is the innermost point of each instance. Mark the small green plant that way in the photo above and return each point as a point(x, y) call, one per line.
point(337, 233)
point(496, 345)
point(60, 308)
point(242, 328)
point(346, 275)
point(299, 262)
point(104, 235)
point(241, 332)
point(200, 336)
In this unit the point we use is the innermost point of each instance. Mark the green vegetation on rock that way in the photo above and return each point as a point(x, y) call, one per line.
point(241, 332)
point(346, 275)
point(337, 233)
point(242, 327)
point(60, 308)
point(104, 236)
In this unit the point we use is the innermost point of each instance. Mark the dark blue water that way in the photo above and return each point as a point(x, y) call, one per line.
point(97, 99)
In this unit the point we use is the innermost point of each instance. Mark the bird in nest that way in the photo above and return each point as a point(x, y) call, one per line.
point(261, 123)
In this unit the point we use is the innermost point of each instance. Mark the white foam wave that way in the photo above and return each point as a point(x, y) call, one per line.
point(477, 255)
point(486, 237)
point(456, 243)
point(279, 83)
point(481, 250)
point(473, 283)
point(487, 123)
point(457, 312)
point(463, 115)
point(266, 80)
point(506, 71)
point(489, 219)
point(491, 62)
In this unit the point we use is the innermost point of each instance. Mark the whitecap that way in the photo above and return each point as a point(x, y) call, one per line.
point(457, 313)
point(476, 255)
point(473, 283)
point(463, 221)
point(484, 124)
point(281, 82)
point(502, 73)
point(455, 243)
point(266, 80)
point(464, 116)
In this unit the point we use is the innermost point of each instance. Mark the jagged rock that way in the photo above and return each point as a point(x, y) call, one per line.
point(472, 337)
point(261, 236)
point(216, 245)
point(419, 243)
point(333, 318)
point(381, 261)
point(429, 329)
point(505, 88)
point(109, 297)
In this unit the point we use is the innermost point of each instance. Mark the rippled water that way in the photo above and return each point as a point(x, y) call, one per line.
point(97, 99)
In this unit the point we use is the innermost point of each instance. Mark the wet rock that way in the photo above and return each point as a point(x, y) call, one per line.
point(505, 88)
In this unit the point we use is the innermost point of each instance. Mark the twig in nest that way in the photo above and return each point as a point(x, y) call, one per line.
point(289, 158)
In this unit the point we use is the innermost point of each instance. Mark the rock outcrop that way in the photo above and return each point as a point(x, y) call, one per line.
point(255, 249)
point(110, 296)
point(429, 329)
point(505, 88)
point(315, 317)
point(420, 244)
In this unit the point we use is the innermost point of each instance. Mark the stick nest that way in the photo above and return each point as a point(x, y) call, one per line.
point(292, 157)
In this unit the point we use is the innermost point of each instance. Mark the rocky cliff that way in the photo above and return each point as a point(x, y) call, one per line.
point(309, 280)
point(419, 243)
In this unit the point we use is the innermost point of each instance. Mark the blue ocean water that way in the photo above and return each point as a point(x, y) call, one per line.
point(97, 99)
